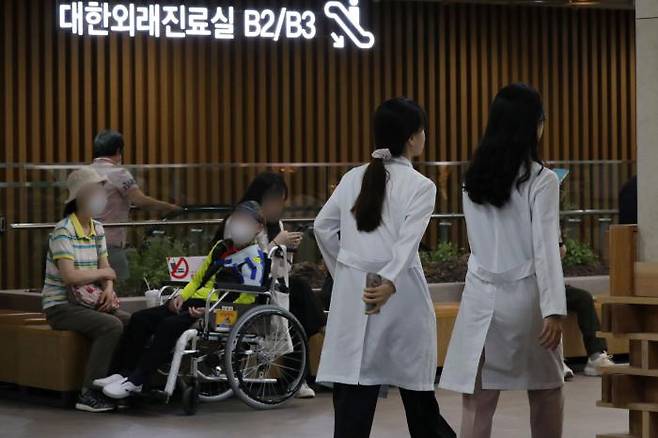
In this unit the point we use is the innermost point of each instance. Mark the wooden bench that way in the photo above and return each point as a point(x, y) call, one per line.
point(34, 355)
point(446, 313)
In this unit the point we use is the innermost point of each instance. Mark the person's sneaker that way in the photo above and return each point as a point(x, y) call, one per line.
point(305, 391)
point(596, 362)
point(121, 389)
point(568, 372)
point(94, 401)
point(102, 383)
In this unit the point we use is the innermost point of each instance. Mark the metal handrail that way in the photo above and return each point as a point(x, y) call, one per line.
point(71, 166)
point(147, 223)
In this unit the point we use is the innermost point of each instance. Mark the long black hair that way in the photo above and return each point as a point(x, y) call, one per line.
point(264, 185)
point(395, 121)
point(70, 208)
point(509, 144)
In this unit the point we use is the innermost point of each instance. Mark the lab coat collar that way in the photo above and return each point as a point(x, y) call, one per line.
point(402, 160)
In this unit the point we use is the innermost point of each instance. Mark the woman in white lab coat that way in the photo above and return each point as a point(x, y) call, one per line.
point(373, 223)
point(508, 330)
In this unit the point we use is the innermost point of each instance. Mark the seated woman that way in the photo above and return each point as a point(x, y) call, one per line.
point(235, 259)
point(581, 303)
point(77, 262)
point(271, 192)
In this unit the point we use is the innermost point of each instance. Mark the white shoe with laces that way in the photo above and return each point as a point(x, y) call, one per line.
point(305, 391)
point(121, 389)
point(102, 383)
point(596, 362)
point(568, 372)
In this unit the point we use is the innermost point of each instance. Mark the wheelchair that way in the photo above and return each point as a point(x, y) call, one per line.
point(261, 357)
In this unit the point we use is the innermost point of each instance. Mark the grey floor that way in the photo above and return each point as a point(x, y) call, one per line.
point(300, 418)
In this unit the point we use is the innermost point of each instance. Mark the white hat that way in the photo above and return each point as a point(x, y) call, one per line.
point(81, 178)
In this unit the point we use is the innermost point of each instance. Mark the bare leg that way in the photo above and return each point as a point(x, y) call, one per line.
point(477, 413)
point(478, 409)
point(546, 413)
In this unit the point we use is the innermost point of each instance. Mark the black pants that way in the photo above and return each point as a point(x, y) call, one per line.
point(581, 303)
point(354, 407)
point(164, 327)
point(306, 306)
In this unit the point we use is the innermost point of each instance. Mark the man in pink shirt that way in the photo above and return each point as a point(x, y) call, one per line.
point(122, 192)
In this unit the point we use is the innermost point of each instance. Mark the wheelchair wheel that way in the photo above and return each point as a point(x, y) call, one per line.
point(266, 357)
point(213, 383)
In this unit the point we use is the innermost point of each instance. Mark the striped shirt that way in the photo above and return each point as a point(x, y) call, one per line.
point(69, 241)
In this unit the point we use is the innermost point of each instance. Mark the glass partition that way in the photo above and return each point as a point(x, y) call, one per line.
point(34, 194)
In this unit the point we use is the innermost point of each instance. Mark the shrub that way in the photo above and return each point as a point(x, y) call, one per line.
point(444, 252)
point(578, 254)
point(150, 263)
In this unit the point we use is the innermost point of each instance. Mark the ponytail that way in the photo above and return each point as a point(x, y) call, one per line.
point(369, 204)
point(394, 122)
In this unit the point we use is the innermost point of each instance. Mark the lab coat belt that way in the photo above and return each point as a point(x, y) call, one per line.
point(355, 261)
point(526, 269)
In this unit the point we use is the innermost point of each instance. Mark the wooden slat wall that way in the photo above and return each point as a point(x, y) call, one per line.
point(202, 100)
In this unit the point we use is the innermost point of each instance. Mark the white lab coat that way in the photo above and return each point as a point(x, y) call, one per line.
point(514, 280)
point(397, 346)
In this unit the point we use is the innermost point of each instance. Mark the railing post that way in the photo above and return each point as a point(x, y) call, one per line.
point(573, 223)
point(604, 224)
point(444, 231)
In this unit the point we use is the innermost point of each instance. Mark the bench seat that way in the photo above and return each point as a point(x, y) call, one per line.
point(34, 355)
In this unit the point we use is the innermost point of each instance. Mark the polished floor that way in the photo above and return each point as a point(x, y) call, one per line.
point(300, 418)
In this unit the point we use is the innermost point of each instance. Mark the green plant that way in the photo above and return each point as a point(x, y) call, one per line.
point(578, 254)
point(150, 263)
point(444, 252)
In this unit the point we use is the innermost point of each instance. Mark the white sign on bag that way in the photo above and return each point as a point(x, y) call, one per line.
point(183, 268)
point(180, 21)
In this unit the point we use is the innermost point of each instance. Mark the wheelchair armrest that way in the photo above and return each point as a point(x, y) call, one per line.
point(162, 297)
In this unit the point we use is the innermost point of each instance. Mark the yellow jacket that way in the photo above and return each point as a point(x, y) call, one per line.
point(193, 289)
point(247, 262)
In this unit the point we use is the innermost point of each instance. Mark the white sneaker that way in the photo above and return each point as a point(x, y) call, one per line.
point(568, 372)
point(305, 391)
point(596, 362)
point(121, 389)
point(102, 383)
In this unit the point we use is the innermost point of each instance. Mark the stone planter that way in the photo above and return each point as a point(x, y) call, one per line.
point(440, 292)
point(451, 292)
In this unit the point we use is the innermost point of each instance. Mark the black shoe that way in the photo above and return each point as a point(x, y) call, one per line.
point(94, 401)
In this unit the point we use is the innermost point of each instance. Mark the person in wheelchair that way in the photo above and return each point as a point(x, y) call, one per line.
point(235, 259)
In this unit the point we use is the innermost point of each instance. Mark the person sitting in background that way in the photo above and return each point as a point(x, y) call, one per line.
point(581, 303)
point(235, 259)
point(628, 202)
point(78, 292)
point(122, 191)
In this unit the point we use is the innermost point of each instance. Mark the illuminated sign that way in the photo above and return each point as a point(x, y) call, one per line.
point(169, 21)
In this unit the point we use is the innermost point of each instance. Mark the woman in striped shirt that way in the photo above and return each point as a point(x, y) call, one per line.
point(77, 257)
